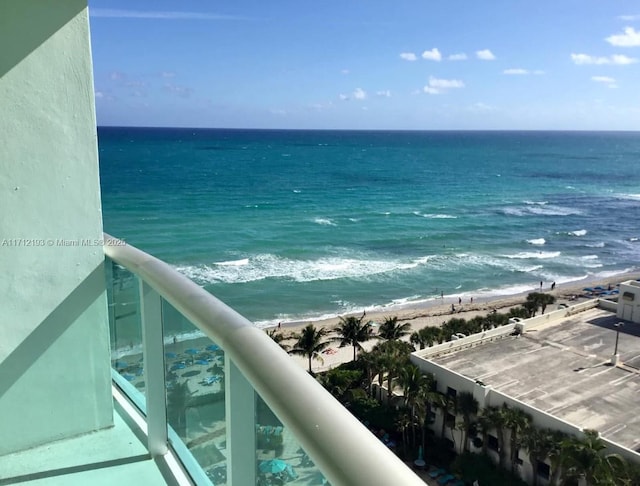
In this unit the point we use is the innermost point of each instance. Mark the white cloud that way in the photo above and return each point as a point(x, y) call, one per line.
point(160, 15)
point(515, 71)
point(485, 55)
point(458, 57)
point(609, 81)
point(432, 55)
point(167, 74)
point(360, 94)
point(619, 59)
point(384, 93)
point(99, 94)
point(178, 90)
point(343, 97)
point(630, 38)
point(439, 86)
point(629, 17)
point(603, 79)
point(408, 56)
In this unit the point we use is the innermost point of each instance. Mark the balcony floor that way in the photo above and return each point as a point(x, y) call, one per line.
point(106, 457)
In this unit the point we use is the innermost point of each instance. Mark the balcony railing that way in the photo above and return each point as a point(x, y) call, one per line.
point(226, 398)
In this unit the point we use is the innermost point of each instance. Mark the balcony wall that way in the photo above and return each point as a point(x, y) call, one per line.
point(54, 341)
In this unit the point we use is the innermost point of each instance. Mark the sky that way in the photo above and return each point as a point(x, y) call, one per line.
point(356, 64)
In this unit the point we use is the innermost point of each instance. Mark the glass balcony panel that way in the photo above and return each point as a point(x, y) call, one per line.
point(279, 457)
point(125, 324)
point(195, 377)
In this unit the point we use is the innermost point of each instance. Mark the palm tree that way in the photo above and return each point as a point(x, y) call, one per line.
point(391, 329)
point(415, 386)
point(278, 337)
point(467, 406)
point(310, 343)
point(516, 421)
point(584, 458)
point(394, 355)
point(539, 443)
point(426, 336)
point(493, 418)
point(352, 331)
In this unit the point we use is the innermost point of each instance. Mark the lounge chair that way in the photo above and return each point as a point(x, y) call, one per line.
point(445, 479)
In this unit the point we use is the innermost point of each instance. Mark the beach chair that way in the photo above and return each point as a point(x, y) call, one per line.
point(445, 479)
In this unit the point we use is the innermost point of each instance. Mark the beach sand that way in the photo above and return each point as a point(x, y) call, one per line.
point(436, 312)
point(429, 313)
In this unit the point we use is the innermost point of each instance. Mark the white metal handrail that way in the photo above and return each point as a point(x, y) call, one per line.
point(342, 447)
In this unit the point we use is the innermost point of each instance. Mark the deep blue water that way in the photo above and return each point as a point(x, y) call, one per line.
point(287, 224)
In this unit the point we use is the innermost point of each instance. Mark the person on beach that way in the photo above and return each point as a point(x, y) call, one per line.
point(453, 308)
point(540, 284)
point(279, 325)
point(459, 300)
point(471, 300)
point(553, 285)
point(442, 295)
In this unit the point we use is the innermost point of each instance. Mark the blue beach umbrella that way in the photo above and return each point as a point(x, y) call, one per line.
point(192, 351)
point(170, 355)
point(178, 366)
point(213, 347)
point(272, 466)
point(202, 362)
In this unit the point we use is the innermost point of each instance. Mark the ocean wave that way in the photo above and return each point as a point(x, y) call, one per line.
point(267, 266)
point(234, 263)
point(596, 245)
point(635, 197)
point(540, 210)
point(536, 203)
point(324, 221)
point(434, 216)
point(581, 232)
point(530, 254)
point(537, 241)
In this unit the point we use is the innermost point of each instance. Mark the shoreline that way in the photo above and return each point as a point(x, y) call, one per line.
point(416, 312)
point(428, 313)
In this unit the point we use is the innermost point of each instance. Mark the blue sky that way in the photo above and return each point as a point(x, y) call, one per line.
point(355, 64)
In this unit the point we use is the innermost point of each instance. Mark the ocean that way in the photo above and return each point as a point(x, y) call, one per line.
point(300, 225)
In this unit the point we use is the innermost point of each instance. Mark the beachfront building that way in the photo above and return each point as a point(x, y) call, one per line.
point(91, 389)
point(556, 368)
point(629, 301)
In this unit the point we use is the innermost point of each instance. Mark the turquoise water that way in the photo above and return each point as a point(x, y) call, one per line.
point(300, 224)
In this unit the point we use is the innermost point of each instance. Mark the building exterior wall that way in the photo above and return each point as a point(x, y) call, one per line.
point(487, 396)
point(629, 301)
point(54, 345)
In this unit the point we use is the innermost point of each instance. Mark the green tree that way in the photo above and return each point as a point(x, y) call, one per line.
point(467, 405)
point(538, 300)
point(394, 356)
point(539, 443)
point(516, 421)
point(584, 458)
point(493, 418)
point(352, 331)
point(392, 329)
point(426, 336)
point(415, 386)
point(310, 343)
point(278, 337)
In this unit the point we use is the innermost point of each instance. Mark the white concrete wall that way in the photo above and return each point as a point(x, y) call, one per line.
point(629, 308)
point(487, 396)
point(54, 346)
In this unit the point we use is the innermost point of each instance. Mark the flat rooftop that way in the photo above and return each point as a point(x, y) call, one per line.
point(564, 370)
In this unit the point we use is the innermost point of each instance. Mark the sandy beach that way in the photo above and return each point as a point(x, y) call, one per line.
point(438, 311)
